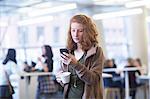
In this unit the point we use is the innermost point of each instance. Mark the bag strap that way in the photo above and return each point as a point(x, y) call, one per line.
point(8, 80)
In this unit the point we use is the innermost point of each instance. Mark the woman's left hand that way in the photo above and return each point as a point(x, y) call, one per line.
point(68, 58)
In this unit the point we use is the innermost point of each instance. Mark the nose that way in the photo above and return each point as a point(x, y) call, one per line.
point(76, 33)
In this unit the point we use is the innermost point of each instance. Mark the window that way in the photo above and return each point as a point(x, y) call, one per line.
point(116, 39)
point(40, 33)
point(23, 35)
point(56, 34)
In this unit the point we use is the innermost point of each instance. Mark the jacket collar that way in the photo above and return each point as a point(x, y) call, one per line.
point(91, 51)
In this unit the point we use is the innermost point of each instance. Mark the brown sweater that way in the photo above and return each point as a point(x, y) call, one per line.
point(91, 74)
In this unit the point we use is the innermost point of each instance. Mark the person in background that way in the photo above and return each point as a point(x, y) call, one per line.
point(114, 63)
point(138, 63)
point(108, 81)
point(115, 81)
point(85, 60)
point(108, 64)
point(8, 67)
point(46, 86)
point(132, 77)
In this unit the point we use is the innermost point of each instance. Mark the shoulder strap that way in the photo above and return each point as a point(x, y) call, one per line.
point(9, 84)
point(7, 78)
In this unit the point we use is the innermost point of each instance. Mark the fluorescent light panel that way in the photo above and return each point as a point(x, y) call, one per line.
point(53, 10)
point(43, 5)
point(35, 20)
point(137, 3)
point(25, 9)
point(109, 2)
point(117, 14)
point(35, 7)
point(103, 2)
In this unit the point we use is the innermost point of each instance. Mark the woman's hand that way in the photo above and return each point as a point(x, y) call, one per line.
point(68, 58)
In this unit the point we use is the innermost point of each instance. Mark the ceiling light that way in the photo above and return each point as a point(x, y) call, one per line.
point(29, 2)
point(35, 20)
point(53, 10)
point(117, 14)
point(137, 3)
point(43, 5)
point(108, 2)
point(24, 9)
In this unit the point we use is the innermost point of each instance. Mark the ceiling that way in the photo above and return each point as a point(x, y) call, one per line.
point(12, 6)
point(7, 6)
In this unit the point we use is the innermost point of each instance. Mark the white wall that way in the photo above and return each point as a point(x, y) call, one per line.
point(139, 43)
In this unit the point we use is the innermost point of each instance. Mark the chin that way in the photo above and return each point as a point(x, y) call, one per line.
point(76, 41)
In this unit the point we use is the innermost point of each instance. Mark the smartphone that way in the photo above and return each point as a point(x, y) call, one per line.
point(64, 50)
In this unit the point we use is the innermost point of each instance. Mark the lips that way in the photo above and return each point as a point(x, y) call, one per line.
point(76, 38)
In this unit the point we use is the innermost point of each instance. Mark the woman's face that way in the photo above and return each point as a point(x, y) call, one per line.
point(136, 63)
point(76, 31)
point(110, 63)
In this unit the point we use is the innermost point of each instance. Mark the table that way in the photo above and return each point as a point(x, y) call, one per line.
point(127, 96)
point(105, 75)
point(147, 77)
point(25, 75)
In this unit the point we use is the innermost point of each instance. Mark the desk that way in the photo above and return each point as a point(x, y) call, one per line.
point(24, 75)
point(105, 75)
point(126, 77)
point(146, 77)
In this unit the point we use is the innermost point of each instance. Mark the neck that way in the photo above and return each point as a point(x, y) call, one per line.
point(78, 52)
point(79, 48)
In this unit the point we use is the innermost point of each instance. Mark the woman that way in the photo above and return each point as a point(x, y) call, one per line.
point(132, 78)
point(9, 67)
point(46, 85)
point(138, 64)
point(85, 61)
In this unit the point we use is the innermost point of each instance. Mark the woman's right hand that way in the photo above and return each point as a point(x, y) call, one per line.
point(68, 59)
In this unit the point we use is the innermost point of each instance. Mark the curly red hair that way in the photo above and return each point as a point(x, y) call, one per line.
point(89, 37)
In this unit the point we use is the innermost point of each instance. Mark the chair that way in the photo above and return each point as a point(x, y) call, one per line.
point(112, 93)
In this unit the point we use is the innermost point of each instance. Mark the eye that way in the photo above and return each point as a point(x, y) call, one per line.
point(72, 30)
point(81, 30)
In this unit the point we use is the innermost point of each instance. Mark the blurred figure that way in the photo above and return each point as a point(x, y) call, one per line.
point(115, 81)
point(132, 77)
point(138, 63)
point(8, 68)
point(108, 81)
point(46, 85)
point(114, 63)
point(109, 64)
